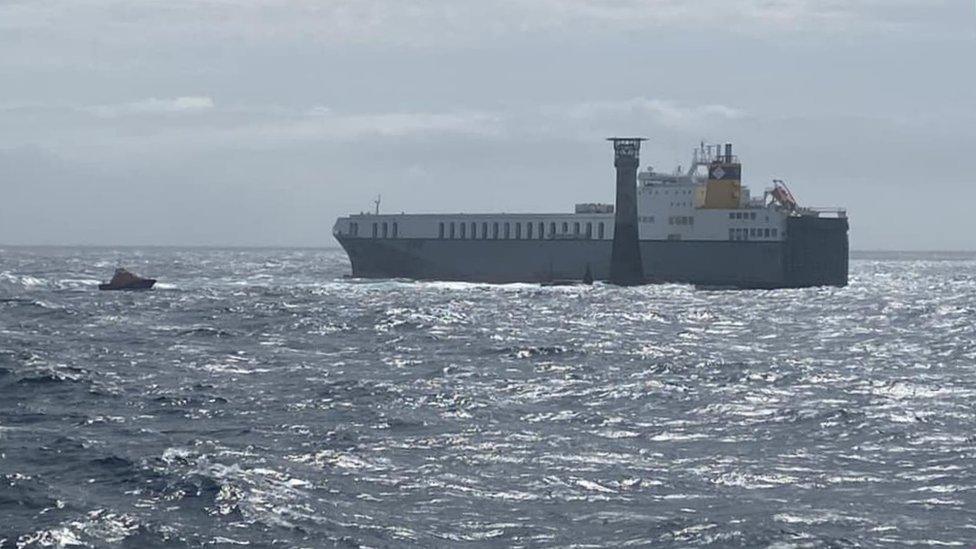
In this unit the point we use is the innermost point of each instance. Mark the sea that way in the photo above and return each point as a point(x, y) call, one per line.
point(260, 397)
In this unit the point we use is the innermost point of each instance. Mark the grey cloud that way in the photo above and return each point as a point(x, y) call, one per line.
point(197, 121)
point(225, 122)
point(153, 105)
point(650, 112)
point(432, 22)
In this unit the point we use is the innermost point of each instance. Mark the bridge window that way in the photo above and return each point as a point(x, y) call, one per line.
point(386, 230)
point(508, 231)
point(528, 231)
point(464, 229)
point(576, 228)
point(395, 231)
point(518, 231)
point(589, 231)
point(440, 232)
point(774, 231)
point(599, 230)
point(494, 231)
point(484, 231)
point(452, 230)
point(375, 230)
point(474, 230)
point(552, 230)
point(766, 233)
point(752, 215)
point(565, 227)
point(731, 234)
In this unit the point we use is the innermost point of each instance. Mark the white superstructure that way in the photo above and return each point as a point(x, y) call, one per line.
point(670, 207)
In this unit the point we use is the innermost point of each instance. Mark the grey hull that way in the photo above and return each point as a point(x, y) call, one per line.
point(814, 254)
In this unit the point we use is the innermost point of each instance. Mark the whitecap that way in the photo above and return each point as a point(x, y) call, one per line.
point(594, 486)
point(228, 541)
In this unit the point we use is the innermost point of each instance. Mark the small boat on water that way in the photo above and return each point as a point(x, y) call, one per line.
point(124, 280)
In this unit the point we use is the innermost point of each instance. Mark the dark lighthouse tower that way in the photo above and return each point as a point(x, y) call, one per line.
point(626, 268)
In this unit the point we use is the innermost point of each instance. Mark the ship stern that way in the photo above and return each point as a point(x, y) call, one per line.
point(817, 251)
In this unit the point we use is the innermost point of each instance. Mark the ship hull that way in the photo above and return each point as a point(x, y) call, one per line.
point(141, 284)
point(814, 254)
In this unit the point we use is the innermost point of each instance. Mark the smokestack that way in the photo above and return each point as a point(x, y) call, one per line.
point(728, 153)
point(626, 267)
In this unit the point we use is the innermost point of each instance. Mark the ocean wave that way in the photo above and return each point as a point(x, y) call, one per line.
point(81, 284)
point(266, 400)
point(53, 375)
point(24, 281)
point(533, 352)
point(95, 528)
point(256, 495)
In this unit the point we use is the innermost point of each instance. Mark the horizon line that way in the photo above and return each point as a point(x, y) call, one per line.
point(337, 247)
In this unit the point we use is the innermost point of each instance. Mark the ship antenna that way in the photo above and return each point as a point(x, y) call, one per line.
point(379, 198)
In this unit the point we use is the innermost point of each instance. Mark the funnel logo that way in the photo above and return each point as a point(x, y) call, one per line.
point(718, 173)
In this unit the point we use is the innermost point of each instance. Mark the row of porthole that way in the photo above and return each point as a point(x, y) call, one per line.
point(676, 192)
point(387, 230)
point(746, 234)
point(496, 230)
point(459, 230)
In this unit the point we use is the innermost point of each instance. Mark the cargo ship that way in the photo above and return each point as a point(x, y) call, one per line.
point(698, 226)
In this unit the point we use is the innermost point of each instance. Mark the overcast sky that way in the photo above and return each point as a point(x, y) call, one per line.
point(225, 122)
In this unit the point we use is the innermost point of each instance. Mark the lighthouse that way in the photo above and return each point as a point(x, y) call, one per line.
point(626, 267)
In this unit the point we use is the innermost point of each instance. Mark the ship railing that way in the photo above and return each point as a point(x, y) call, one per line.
point(823, 212)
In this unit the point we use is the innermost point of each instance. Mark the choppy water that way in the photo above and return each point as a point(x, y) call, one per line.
point(258, 397)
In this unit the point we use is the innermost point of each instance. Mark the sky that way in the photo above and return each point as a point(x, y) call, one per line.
point(258, 123)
